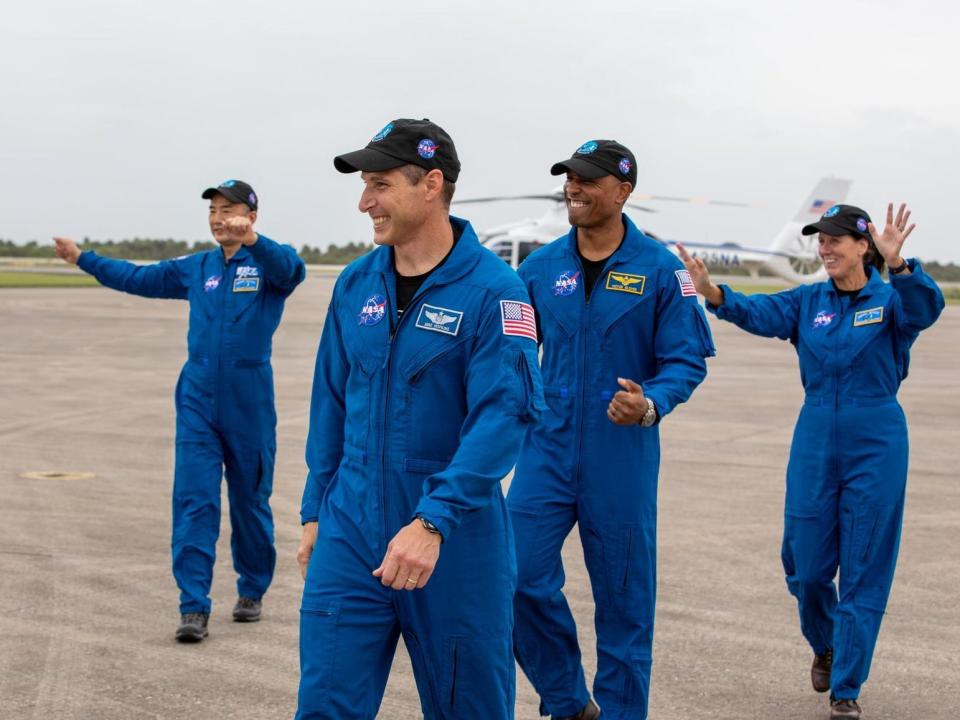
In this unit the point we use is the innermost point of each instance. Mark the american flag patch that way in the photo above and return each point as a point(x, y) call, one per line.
point(518, 319)
point(686, 284)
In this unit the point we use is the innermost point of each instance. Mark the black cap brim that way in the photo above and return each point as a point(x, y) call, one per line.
point(828, 227)
point(366, 160)
point(583, 168)
point(231, 194)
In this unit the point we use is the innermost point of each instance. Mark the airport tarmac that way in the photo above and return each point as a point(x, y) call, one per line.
point(89, 606)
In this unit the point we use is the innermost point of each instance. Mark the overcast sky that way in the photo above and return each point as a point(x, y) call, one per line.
point(114, 116)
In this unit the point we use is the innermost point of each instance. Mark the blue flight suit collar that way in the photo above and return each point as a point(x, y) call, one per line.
point(463, 258)
point(242, 254)
point(632, 245)
point(874, 283)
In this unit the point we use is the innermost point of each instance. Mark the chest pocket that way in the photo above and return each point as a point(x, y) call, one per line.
point(870, 325)
point(241, 302)
point(366, 345)
point(435, 351)
point(559, 314)
point(617, 309)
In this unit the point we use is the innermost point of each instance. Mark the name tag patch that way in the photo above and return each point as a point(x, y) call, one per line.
point(868, 317)
point(438, 319)
point(624, 282)
point(246, 284)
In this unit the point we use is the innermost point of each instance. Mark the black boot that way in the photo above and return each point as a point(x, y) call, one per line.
point(246, 610)
point(590, 711)
point(820, 671)
point(193, 627)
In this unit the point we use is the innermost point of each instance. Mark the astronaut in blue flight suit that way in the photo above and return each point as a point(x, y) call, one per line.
point(426, 379)
point(848, 462)
point(224, 397)
point(624, 342)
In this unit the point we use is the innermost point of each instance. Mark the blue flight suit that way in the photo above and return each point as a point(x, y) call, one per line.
point(577, 466)
point(848, 462)
point(421, 416)
point(224, 399)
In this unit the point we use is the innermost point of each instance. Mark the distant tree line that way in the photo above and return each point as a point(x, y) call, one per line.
point(161, 249)
point(335, 254)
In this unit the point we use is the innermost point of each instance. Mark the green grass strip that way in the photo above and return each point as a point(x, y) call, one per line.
point(9, 279)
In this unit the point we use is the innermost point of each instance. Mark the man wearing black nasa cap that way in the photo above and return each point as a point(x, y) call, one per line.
point(226, 420)
point(426, 382)
point(236, 191)
point(598, 158)
point(405, 142)
point(624, 342)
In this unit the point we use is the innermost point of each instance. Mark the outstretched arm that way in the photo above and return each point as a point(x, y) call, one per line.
point(159, 280)
point(774, 315)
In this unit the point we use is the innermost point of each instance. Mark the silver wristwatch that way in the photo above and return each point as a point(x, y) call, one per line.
point(650, 416)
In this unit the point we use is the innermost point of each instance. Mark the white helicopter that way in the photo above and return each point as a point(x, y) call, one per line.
point(791, 256)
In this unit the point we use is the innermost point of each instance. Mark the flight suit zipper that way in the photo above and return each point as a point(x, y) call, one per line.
point(584, 325)
point(394, 329)
point(220, 344)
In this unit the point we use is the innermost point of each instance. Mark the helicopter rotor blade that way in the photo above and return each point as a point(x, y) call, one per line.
point(556, 197)
point(691, 200)
point(643, 208)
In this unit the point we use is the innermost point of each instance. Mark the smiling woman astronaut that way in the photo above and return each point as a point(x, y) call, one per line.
point(848, 462)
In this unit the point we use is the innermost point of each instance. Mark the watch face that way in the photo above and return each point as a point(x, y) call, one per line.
point(430, 527)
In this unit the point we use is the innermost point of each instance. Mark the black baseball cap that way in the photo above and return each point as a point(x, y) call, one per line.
point(841, 220)
point(405, 142)
point(596, 158)
point(234, 190)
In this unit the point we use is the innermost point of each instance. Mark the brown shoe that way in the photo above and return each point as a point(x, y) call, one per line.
point(844, 710)
point(590, 711)
point(820, 671)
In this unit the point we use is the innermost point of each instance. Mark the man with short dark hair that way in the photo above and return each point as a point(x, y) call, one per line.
point(624, 342)
point(426, 380)
point(225, 408)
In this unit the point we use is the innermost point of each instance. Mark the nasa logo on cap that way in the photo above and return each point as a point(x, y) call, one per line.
point(228, 183)
point(427, 148)
point(625, 166)
point(587, 148)
point(861, 225)
point(832, 211)
point(383, 133)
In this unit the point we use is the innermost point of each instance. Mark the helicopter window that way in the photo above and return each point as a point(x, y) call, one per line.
point(503, 250)
point(526, 248)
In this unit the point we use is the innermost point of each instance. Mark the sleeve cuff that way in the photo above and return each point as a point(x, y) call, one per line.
point(85, 260)
point(916, 272)
point(436, 513)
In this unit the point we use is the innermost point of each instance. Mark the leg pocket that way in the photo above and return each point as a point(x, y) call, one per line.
point(636, 681)
point(426, 683)
point(264, 486)
point(479, 679)
point(318, 653)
